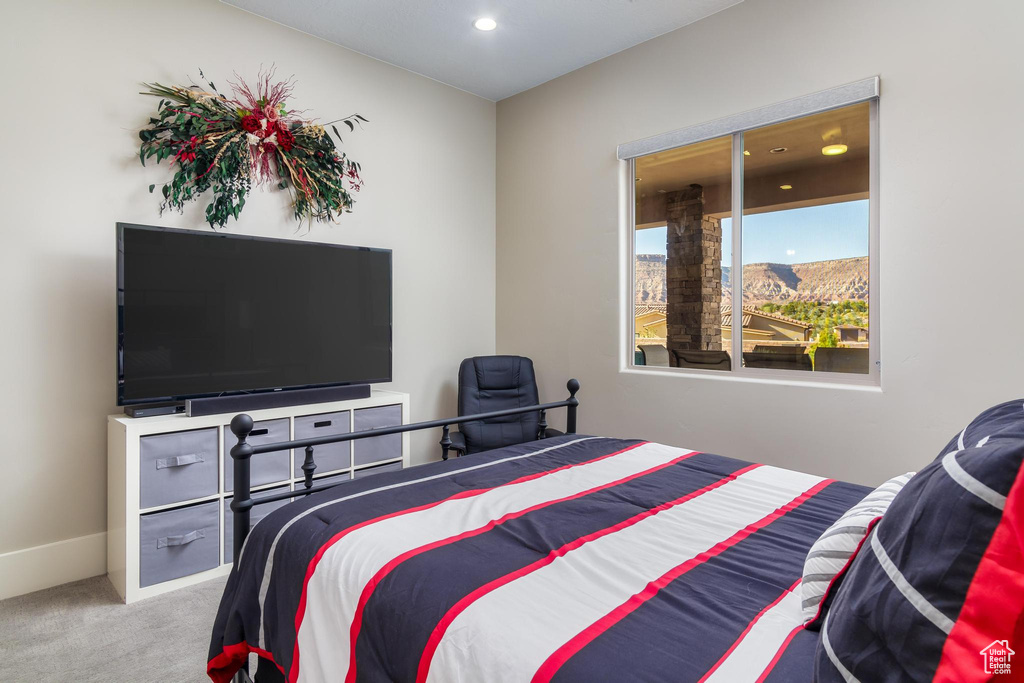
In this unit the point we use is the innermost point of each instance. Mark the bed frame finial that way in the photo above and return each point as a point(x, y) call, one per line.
point(573, 385)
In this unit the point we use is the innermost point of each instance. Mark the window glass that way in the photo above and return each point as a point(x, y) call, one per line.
point(805, 235)
point(682, 312)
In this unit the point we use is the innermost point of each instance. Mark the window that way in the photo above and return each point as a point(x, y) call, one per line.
point(752, 244)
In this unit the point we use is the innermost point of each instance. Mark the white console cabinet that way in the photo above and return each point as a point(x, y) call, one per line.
point(169, 482)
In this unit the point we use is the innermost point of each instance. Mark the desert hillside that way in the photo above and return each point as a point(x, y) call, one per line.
point(835, 280)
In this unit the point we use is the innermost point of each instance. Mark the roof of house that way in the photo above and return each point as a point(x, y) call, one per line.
point(748, 311)
point(644, 309)
point(850, 327)
point(727, 318)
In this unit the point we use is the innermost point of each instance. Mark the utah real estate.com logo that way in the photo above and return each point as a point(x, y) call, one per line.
point(996, 656)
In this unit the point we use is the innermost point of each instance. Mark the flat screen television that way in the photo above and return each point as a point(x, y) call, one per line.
point(206, 314)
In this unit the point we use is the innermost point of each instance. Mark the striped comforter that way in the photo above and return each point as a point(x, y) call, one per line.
point(570, 559)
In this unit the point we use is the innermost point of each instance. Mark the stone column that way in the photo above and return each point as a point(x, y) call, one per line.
point(694, 273)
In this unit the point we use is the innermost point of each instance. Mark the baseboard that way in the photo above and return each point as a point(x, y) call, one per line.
point(44, 566)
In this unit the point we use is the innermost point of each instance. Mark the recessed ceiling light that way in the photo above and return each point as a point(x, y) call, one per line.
point(778, 150)
point(485, 24)
point(785, 187)
point(746, 153)
point(834, 150)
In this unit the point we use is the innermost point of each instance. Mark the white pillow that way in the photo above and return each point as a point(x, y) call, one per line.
point(832, 553)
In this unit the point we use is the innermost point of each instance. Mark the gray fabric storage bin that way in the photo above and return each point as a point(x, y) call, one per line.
point(328, 457)
point(265, 468)
point(256, 513)
point(366, 451)
point(177, 543)
point(380, 469)
point(177, 466)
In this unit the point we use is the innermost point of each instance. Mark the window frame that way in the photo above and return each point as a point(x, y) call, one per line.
point(866, 90)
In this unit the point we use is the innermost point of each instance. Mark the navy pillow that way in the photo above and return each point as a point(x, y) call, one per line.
point(937, 591)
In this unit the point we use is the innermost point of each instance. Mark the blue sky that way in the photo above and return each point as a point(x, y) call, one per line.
point(815, 233)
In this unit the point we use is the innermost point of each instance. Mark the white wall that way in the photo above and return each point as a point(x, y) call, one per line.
point(70, 170)
point(951, 235)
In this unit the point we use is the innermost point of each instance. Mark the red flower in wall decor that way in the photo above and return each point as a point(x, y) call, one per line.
point(227, 145)
point(250, 124)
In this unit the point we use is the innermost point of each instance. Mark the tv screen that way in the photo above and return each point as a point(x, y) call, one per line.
point(205, 314)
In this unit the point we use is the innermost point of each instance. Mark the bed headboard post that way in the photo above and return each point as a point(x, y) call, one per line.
point(573, 386)
point(308, 467)
point(446, 442)
point(241, 502)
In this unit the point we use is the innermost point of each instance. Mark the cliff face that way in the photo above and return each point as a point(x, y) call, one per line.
point(835, 280)
point(650, 278)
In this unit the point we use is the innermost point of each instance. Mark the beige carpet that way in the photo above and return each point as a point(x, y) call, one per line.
point(80, 632)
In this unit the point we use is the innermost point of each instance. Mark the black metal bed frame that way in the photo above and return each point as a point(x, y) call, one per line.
point(242, 426)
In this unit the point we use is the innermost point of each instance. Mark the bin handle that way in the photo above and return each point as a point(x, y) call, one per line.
point(184, 539)
point(179, 461)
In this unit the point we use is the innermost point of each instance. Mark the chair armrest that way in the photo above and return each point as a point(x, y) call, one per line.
point(458, 440)
point(549, 432)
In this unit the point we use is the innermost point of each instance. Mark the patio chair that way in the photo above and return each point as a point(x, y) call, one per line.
point(655, 354)
point(778, 361)
point(841, 360)
point(701, 360)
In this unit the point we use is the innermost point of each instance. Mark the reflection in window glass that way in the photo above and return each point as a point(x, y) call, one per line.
point(682, 299)
point(805, 243)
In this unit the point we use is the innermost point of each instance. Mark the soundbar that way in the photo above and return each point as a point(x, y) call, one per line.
point(273, 399)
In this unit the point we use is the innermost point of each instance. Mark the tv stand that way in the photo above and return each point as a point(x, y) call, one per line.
point(169, 481)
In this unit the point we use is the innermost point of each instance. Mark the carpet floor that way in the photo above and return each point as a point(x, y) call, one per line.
point(81, 632)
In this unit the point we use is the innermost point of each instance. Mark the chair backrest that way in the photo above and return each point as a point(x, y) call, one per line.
point(489, 383)
point(777, 361)
point(841, 360)
point(780, 348)
point(706, 360)
point(655, 354)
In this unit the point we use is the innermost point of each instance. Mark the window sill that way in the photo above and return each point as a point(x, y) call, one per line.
point(753, 376)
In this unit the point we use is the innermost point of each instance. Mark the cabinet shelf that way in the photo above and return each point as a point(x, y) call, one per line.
point(160, 472)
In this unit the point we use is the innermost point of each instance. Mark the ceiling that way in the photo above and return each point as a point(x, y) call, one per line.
point(710, 163)
point(536, 40)
point(796, 174)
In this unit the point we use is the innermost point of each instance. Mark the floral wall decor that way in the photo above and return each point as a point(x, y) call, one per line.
point(228, 144)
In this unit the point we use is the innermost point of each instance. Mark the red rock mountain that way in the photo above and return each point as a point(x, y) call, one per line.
point(835, 280)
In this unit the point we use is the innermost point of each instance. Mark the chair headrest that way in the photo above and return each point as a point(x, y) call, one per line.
point(502, 372)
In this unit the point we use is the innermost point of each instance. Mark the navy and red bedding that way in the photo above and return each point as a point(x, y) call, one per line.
point(937, 591)
point(569, 559)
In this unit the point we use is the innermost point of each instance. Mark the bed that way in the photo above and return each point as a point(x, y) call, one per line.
point(574, 558)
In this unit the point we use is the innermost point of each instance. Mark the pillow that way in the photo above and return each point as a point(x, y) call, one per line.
point(938, 591)
point(832, 553)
